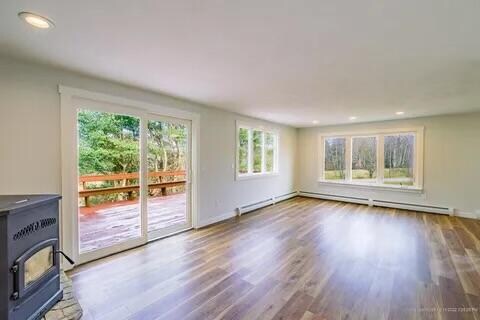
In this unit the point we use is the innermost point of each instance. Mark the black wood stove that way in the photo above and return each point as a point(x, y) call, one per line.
point(29, 256)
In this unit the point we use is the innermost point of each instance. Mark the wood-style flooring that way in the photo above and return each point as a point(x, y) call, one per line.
point(300, 259)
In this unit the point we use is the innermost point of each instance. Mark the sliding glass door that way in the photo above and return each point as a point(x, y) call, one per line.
point(168, 176)
point(133, 179)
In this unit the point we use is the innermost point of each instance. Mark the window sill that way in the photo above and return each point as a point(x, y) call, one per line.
point(373, 186)
point(249, 176)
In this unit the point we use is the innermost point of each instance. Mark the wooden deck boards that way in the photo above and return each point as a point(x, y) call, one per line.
point(299, 259)
point(111, 223)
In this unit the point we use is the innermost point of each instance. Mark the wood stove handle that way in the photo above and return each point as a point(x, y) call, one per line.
point(66, 257)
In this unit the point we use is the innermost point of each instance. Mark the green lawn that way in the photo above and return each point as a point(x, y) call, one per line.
point(334, 175)
point(362, 174)
point(339, 175)
point(396, 173)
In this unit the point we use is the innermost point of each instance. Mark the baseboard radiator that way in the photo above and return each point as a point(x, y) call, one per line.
point(266, 202)
point(380, 203)
point(333, 197)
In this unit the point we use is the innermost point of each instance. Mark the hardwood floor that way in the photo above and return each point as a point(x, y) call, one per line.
point(300, 259)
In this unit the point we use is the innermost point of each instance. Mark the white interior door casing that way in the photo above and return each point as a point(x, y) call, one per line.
point(71, 99)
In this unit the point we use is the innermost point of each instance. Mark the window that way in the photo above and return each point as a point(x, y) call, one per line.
point(270, 146)
point(335, 158)
point(398, 159)
point(243, 150)
point(364, 158)
point(391, 159)
point(256, 151)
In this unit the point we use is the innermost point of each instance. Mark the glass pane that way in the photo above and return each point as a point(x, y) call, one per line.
point(167, 165)
point(399, 153)
point(335, 158)
point(243, 150)
point(364, 158)
point(38, 264)
point(269, 151)
point(257, 151)
point(109, 161)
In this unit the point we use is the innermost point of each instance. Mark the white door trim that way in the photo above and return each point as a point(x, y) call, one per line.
point(69, 221)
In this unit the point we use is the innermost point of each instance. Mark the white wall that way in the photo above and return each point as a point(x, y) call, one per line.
point(451, 162)
point(30, 139)
point(30, 147)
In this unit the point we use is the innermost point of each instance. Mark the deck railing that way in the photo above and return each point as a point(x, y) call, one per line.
point(86, 192)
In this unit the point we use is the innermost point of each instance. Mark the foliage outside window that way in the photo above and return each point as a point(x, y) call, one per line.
point(398, 166)
point(243, 150)
point(108, 143)
point(364, 158)
point(256, 151)
point(335, 159)
point(385, 159)
point(269, 151)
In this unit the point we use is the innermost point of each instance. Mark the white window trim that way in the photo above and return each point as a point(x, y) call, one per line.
point(251, 126)
point(379, 133)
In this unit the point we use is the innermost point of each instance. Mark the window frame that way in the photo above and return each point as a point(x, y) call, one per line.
point(264, 129)
point(377, 183)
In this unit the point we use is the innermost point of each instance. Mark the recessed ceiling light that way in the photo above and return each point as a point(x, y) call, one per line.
point(353, 118)
point(36, 20)
point(399, 113)
point(315, 121)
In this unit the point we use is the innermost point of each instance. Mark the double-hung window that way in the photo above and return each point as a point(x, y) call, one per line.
point(386, 158)
point(257, 151)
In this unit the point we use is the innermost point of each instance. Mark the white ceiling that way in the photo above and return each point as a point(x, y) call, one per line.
point(285, 61)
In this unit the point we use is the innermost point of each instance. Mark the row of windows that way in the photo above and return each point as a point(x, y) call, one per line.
point(383, 159)
point(386, 159)
point(257, 151)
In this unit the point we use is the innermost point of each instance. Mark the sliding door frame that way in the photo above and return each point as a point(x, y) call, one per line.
point(69, 97)
point(157, 234)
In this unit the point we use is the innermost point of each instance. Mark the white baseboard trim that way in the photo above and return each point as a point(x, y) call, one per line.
point(365, 201)
point(381, 203)
point(333, 197)
point(246, 208)
point(212, 220)
point(464, 214)
point(285, 196)
point(265, 202)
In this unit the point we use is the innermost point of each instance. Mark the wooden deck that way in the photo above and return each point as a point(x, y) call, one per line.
point(111, 223)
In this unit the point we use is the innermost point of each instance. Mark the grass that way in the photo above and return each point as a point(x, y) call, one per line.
point(362, 174)
point(396, 173)
point(334, 175)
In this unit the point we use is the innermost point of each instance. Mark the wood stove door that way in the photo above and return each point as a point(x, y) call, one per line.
point(34, 268)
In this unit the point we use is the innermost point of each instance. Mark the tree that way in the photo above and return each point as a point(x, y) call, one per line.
point(335, 156)
point(364, 155)
point(108, 143)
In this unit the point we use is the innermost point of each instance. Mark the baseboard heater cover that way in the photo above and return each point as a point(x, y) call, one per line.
point(414, 207)
point(285, 196)
point(254, 206)
point(380, 203)
point(263, 203)
point(335, 197)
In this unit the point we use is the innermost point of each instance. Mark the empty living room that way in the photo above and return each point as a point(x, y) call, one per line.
point(295, 160)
